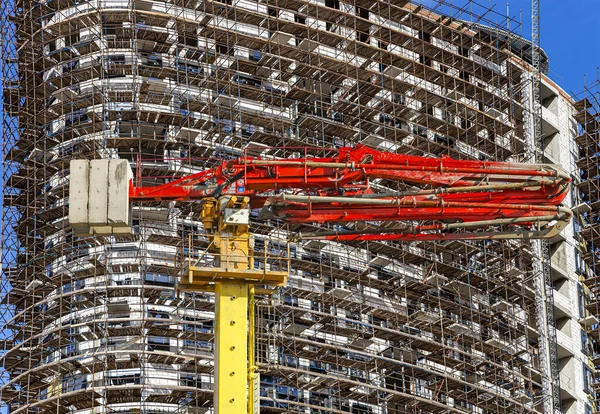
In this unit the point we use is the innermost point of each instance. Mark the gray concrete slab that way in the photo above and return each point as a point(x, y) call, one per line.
point(119, 207)
point(98, 194)
point(78, 193)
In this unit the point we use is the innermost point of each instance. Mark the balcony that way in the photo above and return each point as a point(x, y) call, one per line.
point(500, 343)
point(565, 345)
point(435, 279)
point(424, 316)
point(562, 305)
point(589, 321)
point(567, 384)
point(550, 124)
point(463, 329)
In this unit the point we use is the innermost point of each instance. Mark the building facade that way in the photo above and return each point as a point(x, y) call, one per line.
point(96, 324)
point(572, 302)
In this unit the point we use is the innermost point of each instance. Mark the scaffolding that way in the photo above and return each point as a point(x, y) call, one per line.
point(96, 324)
point(586, 222)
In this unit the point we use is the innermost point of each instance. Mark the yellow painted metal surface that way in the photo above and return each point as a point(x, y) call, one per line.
point(253, 375)
point(55, 388)
point(203, 275)
point(231, 348)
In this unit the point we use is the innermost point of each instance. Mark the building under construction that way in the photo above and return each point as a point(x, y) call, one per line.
point(96, 324)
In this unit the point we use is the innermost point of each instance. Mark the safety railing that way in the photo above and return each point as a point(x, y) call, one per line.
point(264, 260)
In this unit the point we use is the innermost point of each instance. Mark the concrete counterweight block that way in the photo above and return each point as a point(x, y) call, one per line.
point(98, 193)
point(78, 195)
point(119, 207)
point(99, 197)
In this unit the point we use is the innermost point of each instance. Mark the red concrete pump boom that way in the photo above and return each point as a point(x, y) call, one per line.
point(425, 198)
point(438, 198)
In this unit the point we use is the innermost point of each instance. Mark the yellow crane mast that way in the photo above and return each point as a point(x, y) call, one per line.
point(227, 223)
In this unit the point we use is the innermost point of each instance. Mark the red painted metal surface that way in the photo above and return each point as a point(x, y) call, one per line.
point(438, 189)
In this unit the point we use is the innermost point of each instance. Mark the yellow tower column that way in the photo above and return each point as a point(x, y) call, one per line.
point(227, 223)
point(231, 351)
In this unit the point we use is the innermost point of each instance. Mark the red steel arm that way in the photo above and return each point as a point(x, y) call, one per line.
point(341, 189)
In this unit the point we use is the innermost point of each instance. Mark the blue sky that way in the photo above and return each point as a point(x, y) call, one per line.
point(568, 34)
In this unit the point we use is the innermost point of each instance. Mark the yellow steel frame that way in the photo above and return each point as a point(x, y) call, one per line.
point(233, 280)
